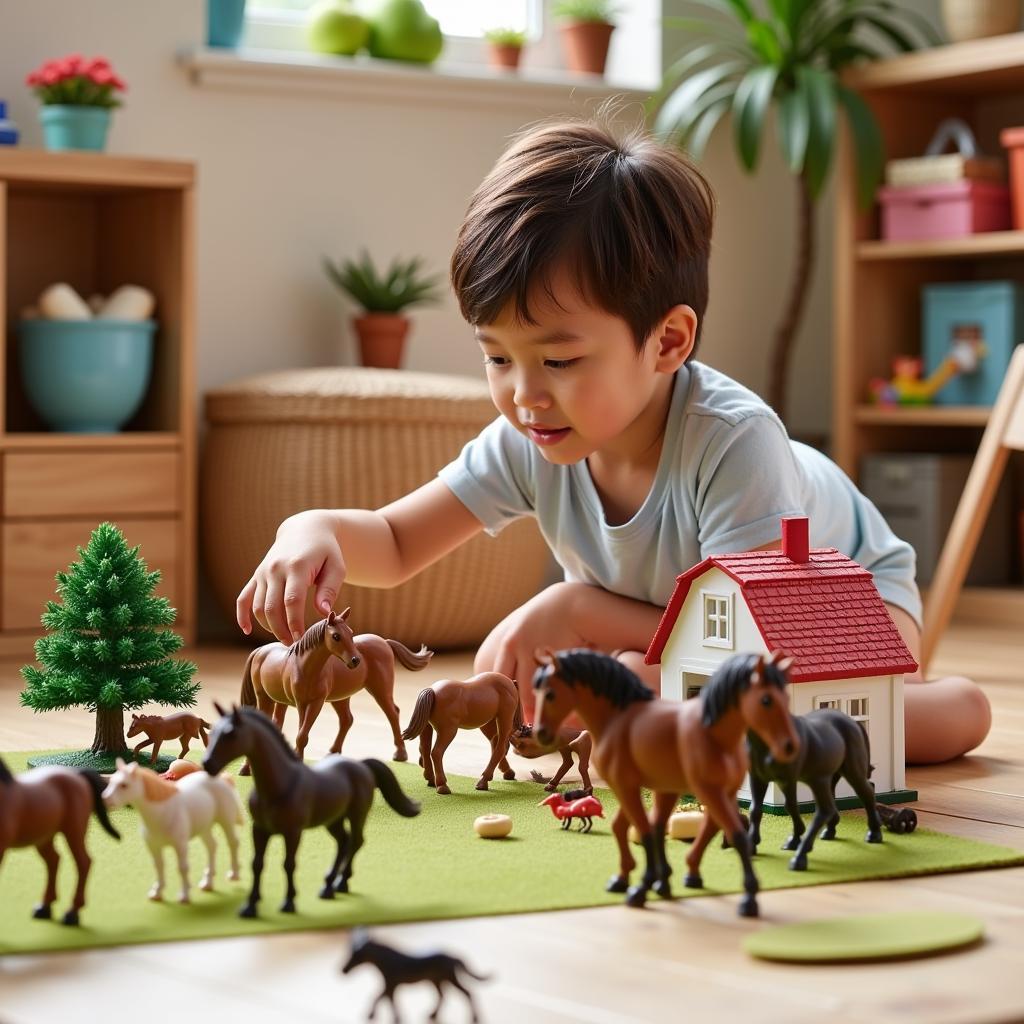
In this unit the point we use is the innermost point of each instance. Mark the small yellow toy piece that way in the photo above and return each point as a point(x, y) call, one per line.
point(493, 826)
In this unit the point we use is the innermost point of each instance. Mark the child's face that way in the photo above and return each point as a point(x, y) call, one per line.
point(574, 384)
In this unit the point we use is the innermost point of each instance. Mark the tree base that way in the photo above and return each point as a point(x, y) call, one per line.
point(103, 763)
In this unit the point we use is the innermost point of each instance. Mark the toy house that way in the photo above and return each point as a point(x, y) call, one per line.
point(819, 606)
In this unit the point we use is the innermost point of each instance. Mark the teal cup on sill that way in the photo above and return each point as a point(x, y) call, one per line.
point(225, 20)
point(66, 126)
point(86, 376)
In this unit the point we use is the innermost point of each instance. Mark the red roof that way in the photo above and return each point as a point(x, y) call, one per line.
point(825, 611)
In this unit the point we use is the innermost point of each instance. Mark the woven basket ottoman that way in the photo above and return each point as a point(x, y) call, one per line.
point(343, 437)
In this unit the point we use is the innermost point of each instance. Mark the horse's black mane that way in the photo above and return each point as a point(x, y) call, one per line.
point(731, 679)
point(602, 674)
point(313, 637)
point(257, 717)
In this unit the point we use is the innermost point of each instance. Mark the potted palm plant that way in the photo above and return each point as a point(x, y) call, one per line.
point(383, 327)
point(788, 60)
point(505, 46)
point(586, 31)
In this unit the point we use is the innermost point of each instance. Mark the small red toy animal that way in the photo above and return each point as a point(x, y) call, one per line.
point(586, 809)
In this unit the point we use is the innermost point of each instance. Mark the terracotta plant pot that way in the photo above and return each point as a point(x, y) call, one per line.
point(381, 339)
point(976, 19)
point(585, 45)
point(505, 56)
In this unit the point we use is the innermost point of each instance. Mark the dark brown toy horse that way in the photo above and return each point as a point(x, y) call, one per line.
point(288, 797)
point(180, 726)
point(488, 701)
point(328, 664)
point(671, 748)
point(569, 741)
point(43, 802)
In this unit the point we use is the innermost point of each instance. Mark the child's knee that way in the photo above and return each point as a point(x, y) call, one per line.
point(974, 708)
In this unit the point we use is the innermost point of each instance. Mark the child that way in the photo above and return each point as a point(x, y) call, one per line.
point(582, 264)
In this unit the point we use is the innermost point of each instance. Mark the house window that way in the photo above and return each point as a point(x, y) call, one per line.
point(717, 620)
point(693, 683)
point(828, 703)
point(857, 708)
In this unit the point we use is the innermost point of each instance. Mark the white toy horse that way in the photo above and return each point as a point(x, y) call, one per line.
point(172, 813)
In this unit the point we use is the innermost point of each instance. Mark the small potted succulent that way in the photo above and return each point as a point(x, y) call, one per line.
point(77, 97)
point(586, 31)
point(383, 327)
point(506, 47)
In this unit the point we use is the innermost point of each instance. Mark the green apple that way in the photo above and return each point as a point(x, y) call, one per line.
point(335, 27)
point(402, 30)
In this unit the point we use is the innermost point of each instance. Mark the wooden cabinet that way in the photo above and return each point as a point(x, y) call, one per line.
point(877, 283)
point(96, 222)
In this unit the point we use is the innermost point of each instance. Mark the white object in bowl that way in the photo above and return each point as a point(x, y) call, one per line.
point(129, 302)
point(61, 302)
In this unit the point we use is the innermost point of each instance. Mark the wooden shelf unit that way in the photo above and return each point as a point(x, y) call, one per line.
point(97, 222)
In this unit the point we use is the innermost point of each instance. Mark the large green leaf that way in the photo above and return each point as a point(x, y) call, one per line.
point(749, 108)
point(868, 145)
point(764, 42)
point(818, 88)
point(681, 129)
point(705, 126)
point(794, 127)
point(678, 102)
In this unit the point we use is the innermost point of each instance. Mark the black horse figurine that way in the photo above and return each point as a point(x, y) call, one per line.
point(397, 968)
point(288, 797)
point(832, 746)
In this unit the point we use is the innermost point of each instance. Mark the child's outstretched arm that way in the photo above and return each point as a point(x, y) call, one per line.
point(322, 548)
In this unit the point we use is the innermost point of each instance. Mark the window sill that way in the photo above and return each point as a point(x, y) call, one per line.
point(364, 78)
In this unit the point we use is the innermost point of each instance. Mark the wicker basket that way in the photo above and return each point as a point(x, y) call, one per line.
point(357, 438)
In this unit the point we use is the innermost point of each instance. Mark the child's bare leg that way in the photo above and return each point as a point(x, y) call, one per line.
point(944, 717)
point(650, 675)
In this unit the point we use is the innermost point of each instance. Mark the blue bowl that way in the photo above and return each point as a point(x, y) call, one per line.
point(86, 376)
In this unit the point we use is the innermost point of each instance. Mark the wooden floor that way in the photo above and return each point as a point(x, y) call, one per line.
point(606, 966)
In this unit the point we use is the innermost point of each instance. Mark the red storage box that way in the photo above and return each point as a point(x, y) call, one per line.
point(948, 210)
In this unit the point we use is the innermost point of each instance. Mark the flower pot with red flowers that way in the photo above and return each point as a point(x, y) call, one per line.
point(78, 96)
point(586, 31)
point(505, 46)
point(383, 327)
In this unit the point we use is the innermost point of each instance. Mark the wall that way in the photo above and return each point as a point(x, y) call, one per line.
point(285, 178)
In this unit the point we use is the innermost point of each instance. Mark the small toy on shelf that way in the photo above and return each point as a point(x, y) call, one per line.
point(288, 797)
point(584, 808)
point(173, 813)
point(493, 826)
point(328, 664)
point(668, 747)
point(397, 968)
point(39, 804)
point(182, 726)
point(488, 701)
point(832, 745)
point(906, 386)
point(179, 769)
point(569, 741)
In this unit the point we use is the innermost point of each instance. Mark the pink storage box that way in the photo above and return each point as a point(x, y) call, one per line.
point(947, 210)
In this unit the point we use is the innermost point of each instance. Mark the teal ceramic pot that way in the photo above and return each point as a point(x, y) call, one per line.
point(225, 20)
point(86, 376)
point(71, 127)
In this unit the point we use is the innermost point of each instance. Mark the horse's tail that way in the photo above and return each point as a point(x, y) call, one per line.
point(248, 695)
point(858, 744)
point(461, 967)
point(388, 785)
point(413, 661)
point(97, 785)
point(517, 717)
point(420, 714)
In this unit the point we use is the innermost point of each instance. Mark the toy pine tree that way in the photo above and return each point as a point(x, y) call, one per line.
point(108, 648)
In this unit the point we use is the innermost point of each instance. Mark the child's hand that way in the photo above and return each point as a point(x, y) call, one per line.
point(546, 620)
point(305, 554)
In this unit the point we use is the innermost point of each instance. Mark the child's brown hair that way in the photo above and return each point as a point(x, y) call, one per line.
point(629, 216)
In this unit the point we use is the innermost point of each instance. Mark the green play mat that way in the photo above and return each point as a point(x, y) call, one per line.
point(429, 867)
point(862, 937)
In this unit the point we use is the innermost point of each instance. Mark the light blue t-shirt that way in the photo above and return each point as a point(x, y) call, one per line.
point(727, 473)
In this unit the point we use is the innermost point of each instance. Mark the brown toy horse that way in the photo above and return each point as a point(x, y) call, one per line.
point(488, 702)
point(43, 802)
point(569, 741)
point(328, 664)
point(696, 746)
point(180, 726)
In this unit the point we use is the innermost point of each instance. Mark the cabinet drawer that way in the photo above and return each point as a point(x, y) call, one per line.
point(33, 553)
point(102, 484)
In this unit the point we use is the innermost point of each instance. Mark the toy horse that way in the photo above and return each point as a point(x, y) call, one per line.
point(288, 797)
point(568, 742)
point(180, 726)
point(173, 813)
point(39, 804)
point(488, 701)
point(670, 747)
point(328, 664)
point(397, 968)
point(832, 746)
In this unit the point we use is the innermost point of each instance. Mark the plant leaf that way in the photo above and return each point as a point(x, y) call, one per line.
point(687, 92)
point(868, 144)
point(819, 92)
point(749, 106)
point(794, 127)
